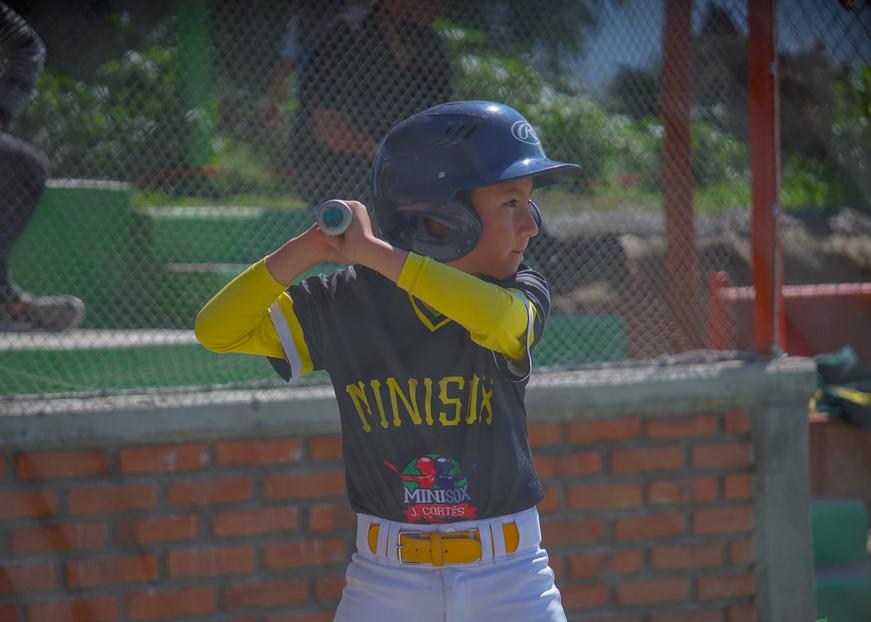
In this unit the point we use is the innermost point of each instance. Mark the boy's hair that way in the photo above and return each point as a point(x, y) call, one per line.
point(426, 163)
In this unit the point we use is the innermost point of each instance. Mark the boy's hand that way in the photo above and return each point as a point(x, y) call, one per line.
point(359, 244)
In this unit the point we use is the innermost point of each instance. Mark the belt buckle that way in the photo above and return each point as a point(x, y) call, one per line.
point(399, 546)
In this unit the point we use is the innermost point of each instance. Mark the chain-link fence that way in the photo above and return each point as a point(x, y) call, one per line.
point(188, 139)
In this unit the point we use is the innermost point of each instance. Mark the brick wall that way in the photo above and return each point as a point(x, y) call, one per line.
point(650, 517)
point(660, 515)
point(640, 516)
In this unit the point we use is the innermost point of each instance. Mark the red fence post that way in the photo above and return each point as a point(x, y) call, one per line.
point(763, 85)
point(719, 336)
point(681, 260)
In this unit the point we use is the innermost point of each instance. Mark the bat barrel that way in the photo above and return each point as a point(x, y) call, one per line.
point(334, 217)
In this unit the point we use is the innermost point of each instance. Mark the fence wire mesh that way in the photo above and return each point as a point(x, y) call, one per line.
point(185, 140)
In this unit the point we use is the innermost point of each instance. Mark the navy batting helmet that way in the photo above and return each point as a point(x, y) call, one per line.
point(425, 160)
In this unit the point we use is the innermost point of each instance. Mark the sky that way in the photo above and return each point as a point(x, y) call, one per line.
point(631, 32)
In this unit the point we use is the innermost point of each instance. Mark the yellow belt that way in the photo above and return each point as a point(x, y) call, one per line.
point(437, 548)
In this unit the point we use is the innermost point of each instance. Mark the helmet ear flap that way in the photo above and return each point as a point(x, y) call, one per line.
point(443, 231)
point(535, 212)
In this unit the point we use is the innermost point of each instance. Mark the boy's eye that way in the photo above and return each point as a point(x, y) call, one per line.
point(511, 203)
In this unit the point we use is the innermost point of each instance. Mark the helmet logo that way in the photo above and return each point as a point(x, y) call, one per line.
point(522, 131)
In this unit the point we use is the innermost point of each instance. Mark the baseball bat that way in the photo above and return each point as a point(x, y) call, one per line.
point(334, 217)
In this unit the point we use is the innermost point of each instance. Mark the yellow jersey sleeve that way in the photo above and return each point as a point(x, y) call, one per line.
point(497, 318)
point(253, 314)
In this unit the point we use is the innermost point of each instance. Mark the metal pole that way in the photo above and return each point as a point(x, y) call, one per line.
point(681, 261)
point(763, 86)
point(192, 28)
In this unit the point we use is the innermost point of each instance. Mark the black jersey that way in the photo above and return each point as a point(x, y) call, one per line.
point(433, 424)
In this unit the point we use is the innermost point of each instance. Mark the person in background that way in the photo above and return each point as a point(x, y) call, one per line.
point(23, 171)
point(307, 24)
point(361, 81)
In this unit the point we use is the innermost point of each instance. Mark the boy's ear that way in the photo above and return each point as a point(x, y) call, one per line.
point(435, 228)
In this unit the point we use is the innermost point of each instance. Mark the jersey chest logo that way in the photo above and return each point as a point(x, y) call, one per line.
point(434, 489)
point(428, 316)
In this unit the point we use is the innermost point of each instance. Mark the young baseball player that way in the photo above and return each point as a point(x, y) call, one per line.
point(427, 337)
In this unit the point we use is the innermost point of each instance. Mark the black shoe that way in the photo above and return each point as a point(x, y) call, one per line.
point(42, 313)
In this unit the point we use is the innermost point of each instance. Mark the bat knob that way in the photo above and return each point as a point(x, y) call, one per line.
point(334, 217)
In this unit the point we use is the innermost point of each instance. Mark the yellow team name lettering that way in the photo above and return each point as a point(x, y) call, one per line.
point(486, 396)
point(411, 407)
point(427, 399)
point(459, 400)
point(358, 395)
point(472, 414)
point(376, 389)
point(448, 400)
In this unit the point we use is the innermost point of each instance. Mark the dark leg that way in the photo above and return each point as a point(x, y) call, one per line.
point(23, 171)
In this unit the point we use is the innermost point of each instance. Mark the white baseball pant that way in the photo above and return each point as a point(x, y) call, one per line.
point(501, 586)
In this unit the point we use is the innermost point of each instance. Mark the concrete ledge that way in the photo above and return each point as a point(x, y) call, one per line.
point(662, 388)
point(667, 387)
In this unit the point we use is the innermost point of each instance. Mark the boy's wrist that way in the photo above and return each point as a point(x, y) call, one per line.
point(293, 258)
point(385, 258)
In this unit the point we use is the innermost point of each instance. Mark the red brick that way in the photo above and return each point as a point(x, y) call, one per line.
point(97, 609)
point(161, 459)
point(722, 455)
point(210, 561)
point(584, 596)
point(743, 613)
point(604, 430)
point(49, 464)
point(305, 553)
point(741, 552)
point(304, 485)
point(211, 491)
point(738, 486)
point(177, 603)
point(308, 616)
point(327, 447)
point(650, 591)
point(549, 466)
point(552, 501)
point(604, 496)
point(258, 452)
point(681, 491)
point(8, 611)
point(586, 565)
point(725, 586)
point(328, 588)
point(738, 422)
point(24, 577)
point(545, 433)
point(736, 519)
point(72, 537)
point(255, 521)
point(707, 615)
point(266, 593)
point(158, 529)
point(107, 499)
point(95, 572)
point(572, 531)
point(646, 459)
point(682, 427)
point(684, 556)
point(558, 564)
point(26, 504)
point(331, 516)
point(648, 526)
